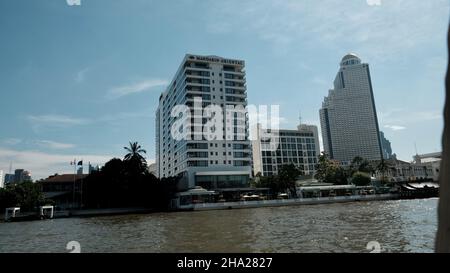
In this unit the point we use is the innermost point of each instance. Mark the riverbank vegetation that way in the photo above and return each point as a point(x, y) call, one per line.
point(26, 195)
point(127, 183)
point(119, 183)
point(281, 183)
point(359, 172)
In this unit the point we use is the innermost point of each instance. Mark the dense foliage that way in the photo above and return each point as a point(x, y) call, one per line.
point(361, 179)
point(127, 183)
point(328, 171)
point(283, 182)
point(26, 195)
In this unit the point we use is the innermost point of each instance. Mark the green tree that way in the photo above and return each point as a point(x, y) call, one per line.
point(383, 167)
point(339, 176)
point(135, 159)
point(27, 195)
point(287, 177)
point(360, 164)
point(270, 182)
point(361, 179)
point(329, 172)
point(323, 167)
point(7, 198)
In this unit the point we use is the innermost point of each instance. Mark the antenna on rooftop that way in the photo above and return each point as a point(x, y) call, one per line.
point(300, 117)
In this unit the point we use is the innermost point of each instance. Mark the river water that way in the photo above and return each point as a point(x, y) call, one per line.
point(398, 226)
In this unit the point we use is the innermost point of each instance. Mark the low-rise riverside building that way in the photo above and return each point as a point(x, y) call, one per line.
point(65, 190)
point(421, 168)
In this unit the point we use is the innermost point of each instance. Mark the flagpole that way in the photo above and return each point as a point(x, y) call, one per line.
point(74, 177)
point(81, 187)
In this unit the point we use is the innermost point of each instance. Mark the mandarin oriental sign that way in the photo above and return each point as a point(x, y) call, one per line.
point(218, 60)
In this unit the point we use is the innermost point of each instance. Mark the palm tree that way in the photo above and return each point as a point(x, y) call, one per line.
point(135, 159)
point(383, 167)
point(134, 153)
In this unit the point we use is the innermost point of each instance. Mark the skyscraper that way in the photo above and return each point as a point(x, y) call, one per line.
point(18, 176)
point(8, 179)
point(348, 115)
point(385, 146)
point(182, 149)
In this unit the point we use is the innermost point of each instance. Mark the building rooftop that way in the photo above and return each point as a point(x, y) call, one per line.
point(350, 56)
point(350, 59)
point(64, 178)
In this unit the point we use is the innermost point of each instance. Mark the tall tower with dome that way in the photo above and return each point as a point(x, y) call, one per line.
point(348, 115)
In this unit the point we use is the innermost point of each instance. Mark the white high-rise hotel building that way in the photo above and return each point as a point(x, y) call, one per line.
point(348, 116)
point(213, 164)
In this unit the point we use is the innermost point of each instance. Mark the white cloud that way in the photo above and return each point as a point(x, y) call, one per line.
point(54, 145)
point(135, 87)
point(376, 33)
point(373, 2)
point(41, 143)
point(409, 116)
point(395, 127)
point(11, 141)
point(59, 121)
point(42, 164)
point(81, 75)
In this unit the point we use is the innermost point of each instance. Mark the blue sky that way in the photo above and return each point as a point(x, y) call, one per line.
point(82, 81)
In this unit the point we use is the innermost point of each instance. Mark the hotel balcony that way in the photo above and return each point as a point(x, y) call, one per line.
point(196, 73)
point(196, 66)
point(234, 69)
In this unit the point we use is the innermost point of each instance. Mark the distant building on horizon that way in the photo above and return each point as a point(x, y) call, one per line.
point(348, 116)
point(2, 179)
point(18, 176)
point(92, 169)
point(386, 146)
point(21, 175)
point(8, 178)
point(152, 168)
point(299, 147)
